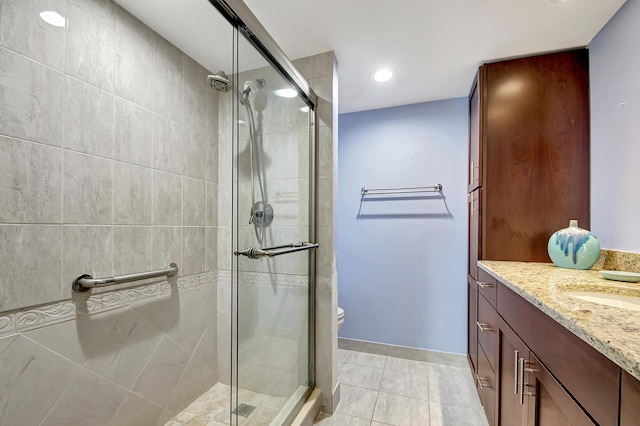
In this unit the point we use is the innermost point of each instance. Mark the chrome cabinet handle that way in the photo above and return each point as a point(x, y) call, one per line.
point(257, 253)
point(485, 285)
point(521, 375)
point(482, 385)
point(524, 369)
point(473, 177)
point(483, 326)
point(515, 372)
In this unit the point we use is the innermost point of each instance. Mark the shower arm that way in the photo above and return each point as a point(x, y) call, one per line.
point(257, 253)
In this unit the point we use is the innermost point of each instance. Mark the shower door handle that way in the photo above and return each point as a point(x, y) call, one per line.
point(257, 253)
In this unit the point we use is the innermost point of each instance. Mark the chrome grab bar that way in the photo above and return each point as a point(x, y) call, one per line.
point(86, 282)
point(257, 253)
point(400, 190)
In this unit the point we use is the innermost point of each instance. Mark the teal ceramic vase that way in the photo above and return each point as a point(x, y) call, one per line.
point(574, 247)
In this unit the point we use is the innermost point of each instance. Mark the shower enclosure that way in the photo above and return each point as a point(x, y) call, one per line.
point(273, 229)
point(184, 168)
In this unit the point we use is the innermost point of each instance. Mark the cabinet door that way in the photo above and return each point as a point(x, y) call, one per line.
point(475, 145)
point(630, 401)
point(552, 405)
point(514, 405)
point(536, 144)
point(472, 332)
point(474, 201)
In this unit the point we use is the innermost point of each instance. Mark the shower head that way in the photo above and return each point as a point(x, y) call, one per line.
point(219, 81)
point(247, 88)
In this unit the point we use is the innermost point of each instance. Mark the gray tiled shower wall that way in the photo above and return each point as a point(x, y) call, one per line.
point(108, 143)
point(108, 165)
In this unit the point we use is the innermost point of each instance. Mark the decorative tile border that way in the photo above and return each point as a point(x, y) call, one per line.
point(7, 325)
point(80, 305)
point(40, 316)
point(44, 315)
point(262, 278)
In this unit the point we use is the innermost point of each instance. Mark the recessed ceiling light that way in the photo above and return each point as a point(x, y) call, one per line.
point(558, 1)
point(382, 75)
point(53, 18)
point(286, 93)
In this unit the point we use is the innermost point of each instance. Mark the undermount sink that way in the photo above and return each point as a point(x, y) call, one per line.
point(616, 300)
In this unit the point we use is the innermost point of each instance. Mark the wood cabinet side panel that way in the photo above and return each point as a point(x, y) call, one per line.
point(629, 401)
point(472, 331)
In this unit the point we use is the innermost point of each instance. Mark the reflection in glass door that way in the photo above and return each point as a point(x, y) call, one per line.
point(273, 243)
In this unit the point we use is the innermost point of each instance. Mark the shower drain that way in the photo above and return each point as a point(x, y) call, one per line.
point(244, 410)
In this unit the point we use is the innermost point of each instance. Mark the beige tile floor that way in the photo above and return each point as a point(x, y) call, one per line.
point(377, 390)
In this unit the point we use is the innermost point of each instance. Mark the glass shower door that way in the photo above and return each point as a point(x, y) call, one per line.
point(272, 243)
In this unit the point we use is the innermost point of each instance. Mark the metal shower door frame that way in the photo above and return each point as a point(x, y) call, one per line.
point(245, 22)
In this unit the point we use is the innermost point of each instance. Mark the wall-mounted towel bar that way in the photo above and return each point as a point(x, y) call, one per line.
point(400, 190)
point(87, 282)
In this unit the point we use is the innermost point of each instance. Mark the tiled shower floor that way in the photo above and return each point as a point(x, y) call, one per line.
point(268, 378)
point(212, 408)
point(376, 390)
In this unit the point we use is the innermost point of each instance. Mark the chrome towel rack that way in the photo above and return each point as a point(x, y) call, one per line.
point(87, 282)
point(400, 190)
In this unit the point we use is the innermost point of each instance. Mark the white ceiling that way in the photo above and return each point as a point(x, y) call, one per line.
point(434, 45)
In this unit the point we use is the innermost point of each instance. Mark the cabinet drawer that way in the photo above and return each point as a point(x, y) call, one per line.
point(488, 330)
point(487, 389)
point(591, 378)
point(487, 286)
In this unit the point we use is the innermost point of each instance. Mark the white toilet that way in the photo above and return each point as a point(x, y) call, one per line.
point(340, 317)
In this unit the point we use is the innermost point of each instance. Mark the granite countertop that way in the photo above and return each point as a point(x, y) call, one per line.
point(614, 332)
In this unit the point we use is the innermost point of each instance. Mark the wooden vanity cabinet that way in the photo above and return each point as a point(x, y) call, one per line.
point(529, 394)
point(629, 400)
point(590, 377)
point(531, 371)
point(528, 171)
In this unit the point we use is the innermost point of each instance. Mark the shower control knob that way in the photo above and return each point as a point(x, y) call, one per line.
point(261, 214)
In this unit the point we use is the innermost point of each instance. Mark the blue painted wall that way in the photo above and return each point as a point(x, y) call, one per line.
point(402, 259)
point(615, 144)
